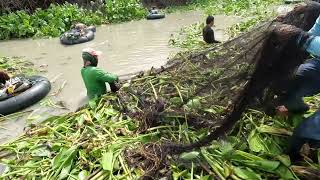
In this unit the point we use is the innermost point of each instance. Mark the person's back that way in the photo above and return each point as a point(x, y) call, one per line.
point(95, 78)
point(207, 32)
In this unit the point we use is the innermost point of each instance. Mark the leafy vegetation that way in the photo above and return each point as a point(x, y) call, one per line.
point(103, 141)
point(97, 142)
point(17, 65)
point(59, 18)
point(252, 12)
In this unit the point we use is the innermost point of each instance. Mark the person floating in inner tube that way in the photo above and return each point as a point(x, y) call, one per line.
point(153, 10)
point(94, 78)
point(207, 32)
point(80, 28)
point(307, 78)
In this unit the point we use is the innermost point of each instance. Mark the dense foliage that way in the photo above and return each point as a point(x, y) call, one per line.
point(101, 142)
point(58, 18)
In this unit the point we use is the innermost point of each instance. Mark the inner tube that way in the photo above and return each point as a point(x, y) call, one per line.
point(88, 36)
point(155, 16)
point(40, 88)
point(91, 28)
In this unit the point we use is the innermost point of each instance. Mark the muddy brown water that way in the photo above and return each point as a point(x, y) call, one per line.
point(127, 48)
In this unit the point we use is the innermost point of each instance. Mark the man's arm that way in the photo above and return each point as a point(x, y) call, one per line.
point(106, 77)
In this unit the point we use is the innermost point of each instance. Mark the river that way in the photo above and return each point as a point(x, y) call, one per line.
point(127, 48)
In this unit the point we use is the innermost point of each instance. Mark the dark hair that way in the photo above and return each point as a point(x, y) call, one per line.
point(209, 19)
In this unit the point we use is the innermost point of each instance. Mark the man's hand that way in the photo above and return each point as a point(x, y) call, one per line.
point(114, 88)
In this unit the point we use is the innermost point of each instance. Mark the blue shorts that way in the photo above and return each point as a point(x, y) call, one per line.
point(305, 83)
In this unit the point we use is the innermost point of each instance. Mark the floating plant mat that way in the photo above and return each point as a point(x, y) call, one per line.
point(166, 122)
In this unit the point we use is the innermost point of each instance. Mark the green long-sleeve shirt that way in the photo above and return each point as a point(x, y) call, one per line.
point(95, 80)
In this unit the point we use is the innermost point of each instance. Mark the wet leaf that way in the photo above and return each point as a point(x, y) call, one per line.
point(176, 101)
point(22, 145)
point(246, 173)
point(63, 160)
point(189, 155)
point(80, 120)
point(65, 170)
point(267, 165)
point(210, 110)
point(284, 159)
point(92, 103)
point(83, 174)
point(255, 142)
point(273, 130)
point(284, 172)
point(41, 152)
point(194, 104)
point(107, 161)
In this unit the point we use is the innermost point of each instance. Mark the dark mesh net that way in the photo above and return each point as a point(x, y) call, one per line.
point(212, 88)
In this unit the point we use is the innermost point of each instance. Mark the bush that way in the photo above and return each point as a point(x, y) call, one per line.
point(50, 22)
point(124, 10)
point(58, 18)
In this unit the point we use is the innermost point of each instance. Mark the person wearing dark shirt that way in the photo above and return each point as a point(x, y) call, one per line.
point(207, 33)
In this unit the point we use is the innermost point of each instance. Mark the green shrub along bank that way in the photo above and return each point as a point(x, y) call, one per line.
point(58, 18)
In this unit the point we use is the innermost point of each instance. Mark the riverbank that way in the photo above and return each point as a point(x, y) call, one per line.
point(121, 135)
point(137, 131)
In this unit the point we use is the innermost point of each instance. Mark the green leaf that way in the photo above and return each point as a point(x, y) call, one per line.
point(93, 103)
point(284, 159)
point(246, 174)
point(267, 165)
point(83, 174)
point(107, 161)
point(65, 170)
point(194, 104)
point(213, 111)
point(284, 172)
point(41, 152)
point(189, 155)
point(255, 142)
point(63, 160)
point(274, 131)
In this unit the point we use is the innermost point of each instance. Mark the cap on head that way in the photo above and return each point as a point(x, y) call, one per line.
point(91, 55)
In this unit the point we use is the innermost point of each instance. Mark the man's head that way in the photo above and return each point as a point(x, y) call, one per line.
point(80, 26)
point(210, 21)
point(90, 57)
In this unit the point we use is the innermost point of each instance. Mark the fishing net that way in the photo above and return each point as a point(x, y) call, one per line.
point(212, 88)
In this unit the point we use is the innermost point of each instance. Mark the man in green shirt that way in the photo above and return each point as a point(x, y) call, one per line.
point(94, 78)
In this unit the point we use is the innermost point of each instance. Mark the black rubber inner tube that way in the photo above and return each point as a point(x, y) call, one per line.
point(88, 36)
point(155, 16)
point(38, 91)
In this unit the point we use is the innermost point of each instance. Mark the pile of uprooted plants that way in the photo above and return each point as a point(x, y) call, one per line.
point(199, 117)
